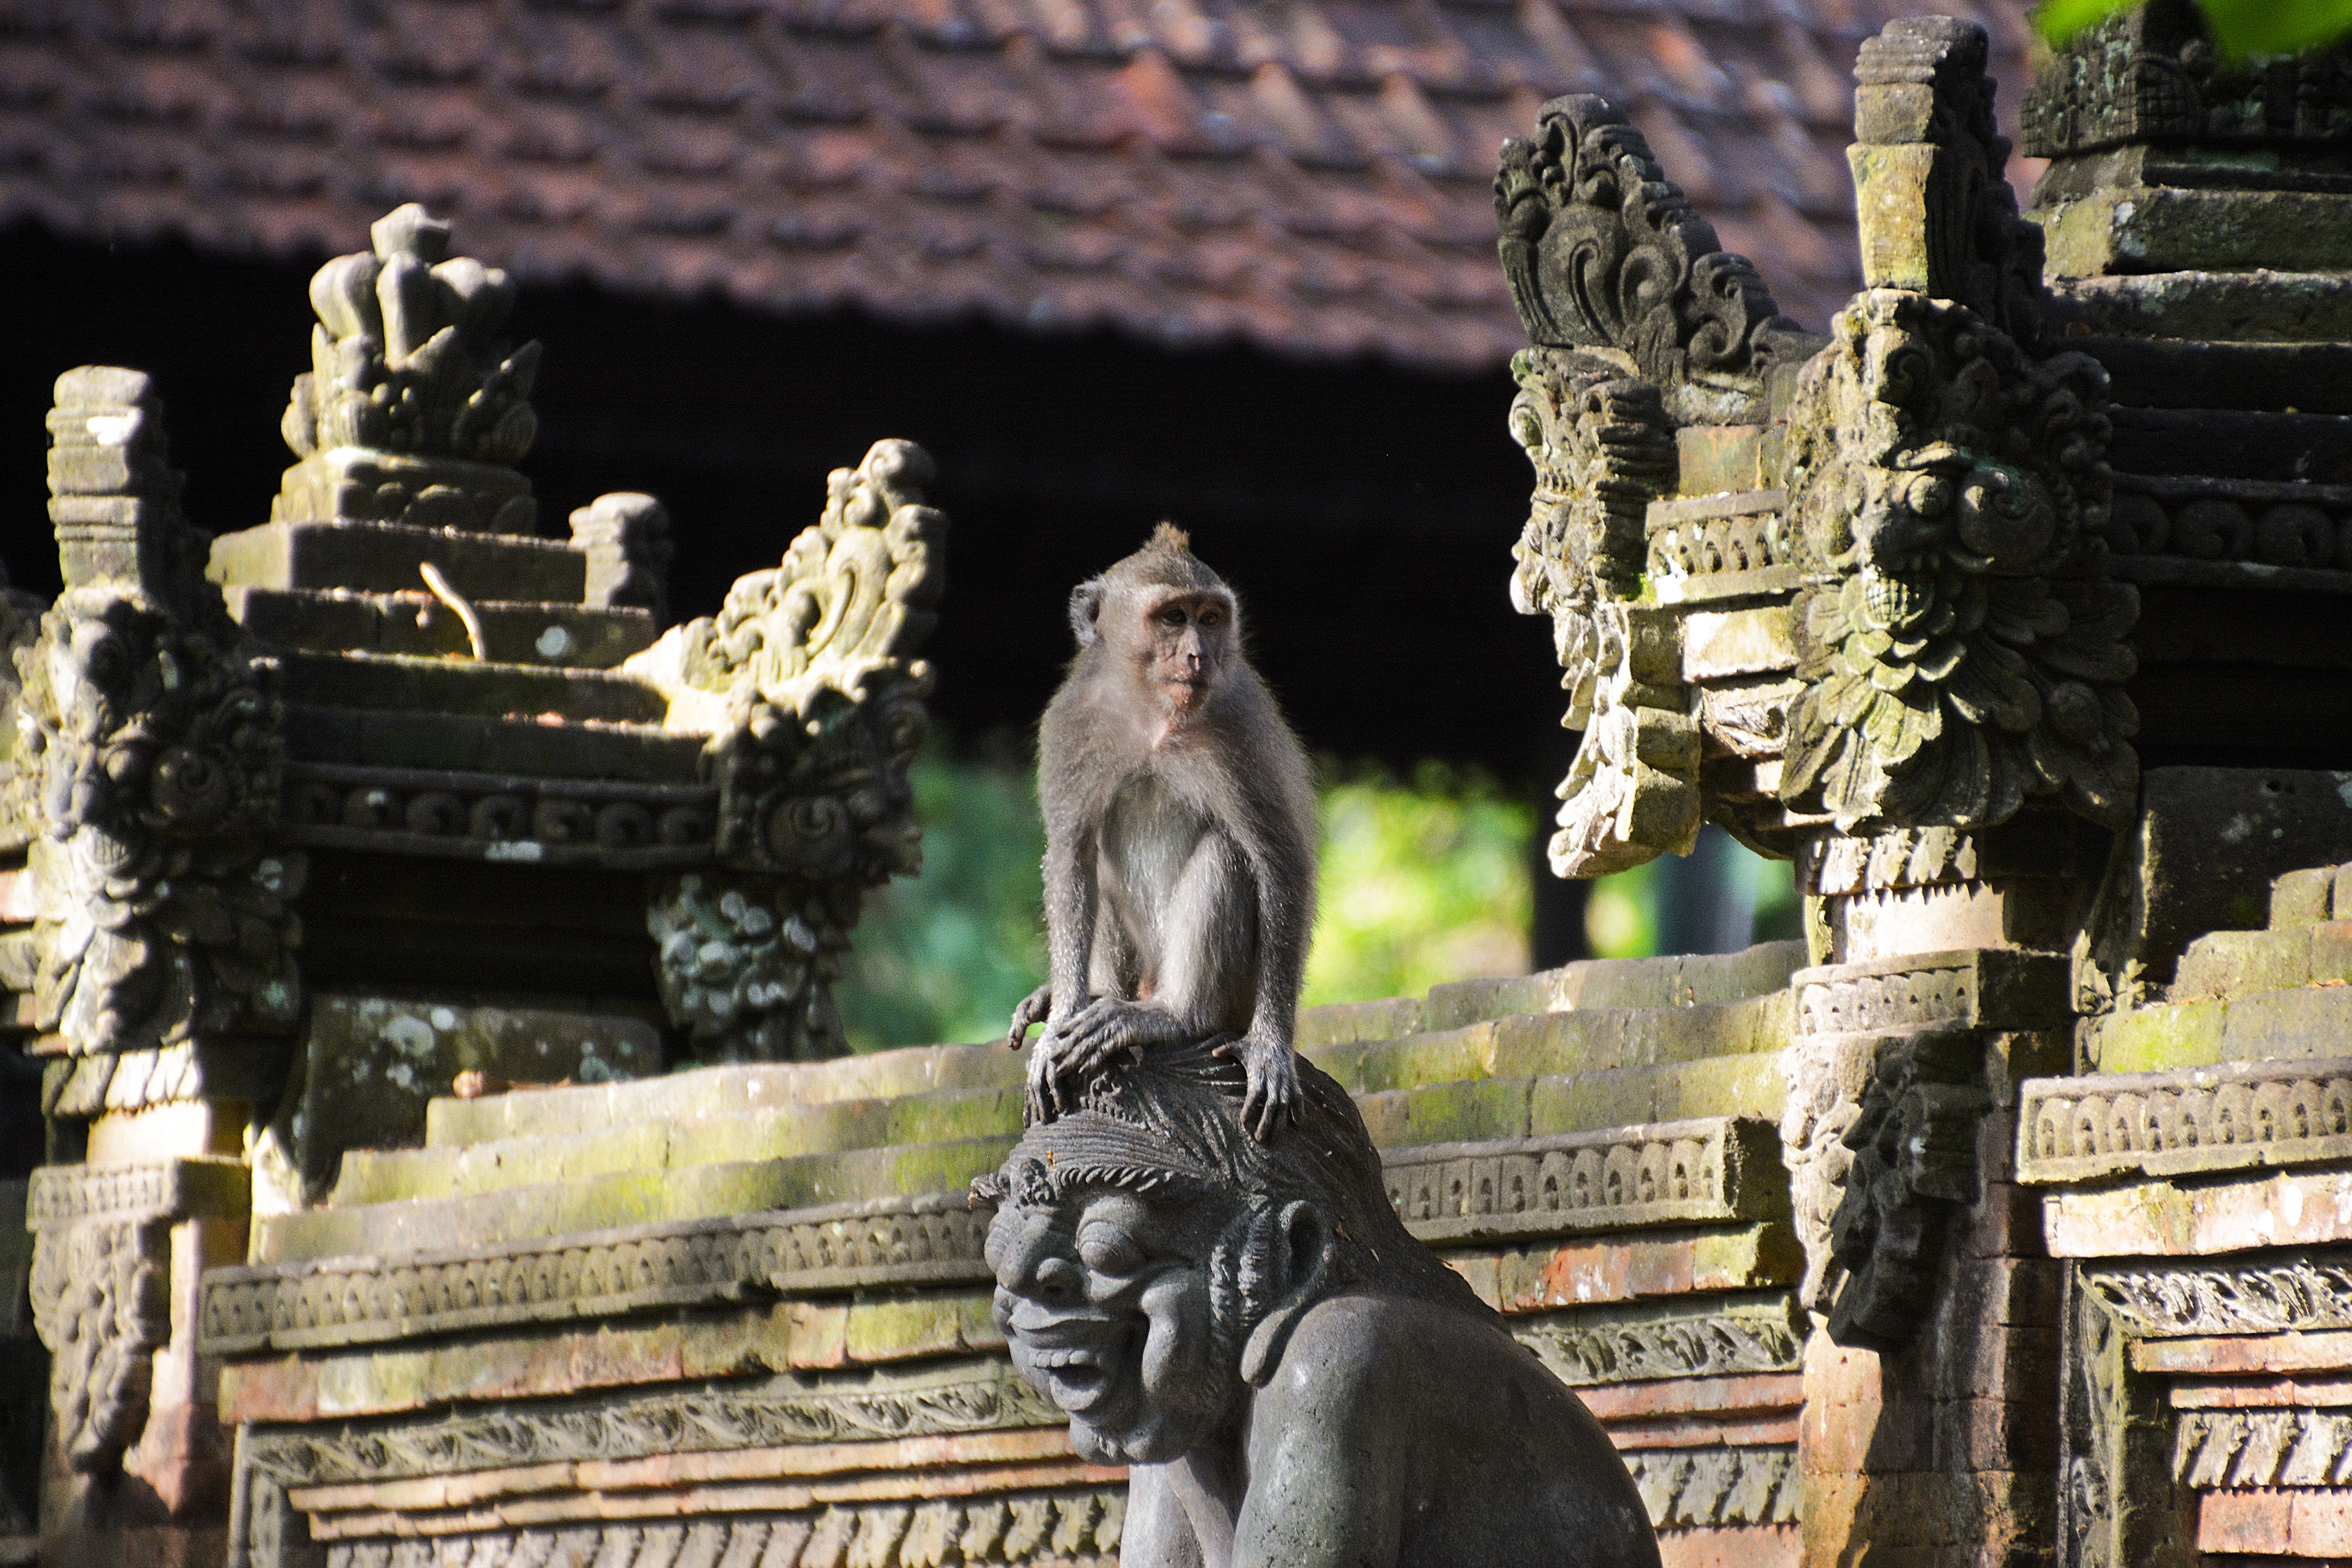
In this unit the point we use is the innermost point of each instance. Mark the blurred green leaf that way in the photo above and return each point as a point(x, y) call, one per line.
point(2241, 27)
point(1422, 882)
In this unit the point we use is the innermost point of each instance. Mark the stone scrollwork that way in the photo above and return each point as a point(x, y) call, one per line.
point(1631, 793)
point(807, 684)
point(1604, 255)
point(1960, 646)
point(1913, 1140)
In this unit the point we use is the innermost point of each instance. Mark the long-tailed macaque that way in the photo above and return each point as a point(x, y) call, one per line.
point(1180, 839)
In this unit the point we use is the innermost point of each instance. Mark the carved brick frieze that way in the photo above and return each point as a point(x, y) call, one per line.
point(1697, 1488)
point(2225, 1118)
point(2262, 1294)
point(2192, 518)
point(413, 410)
point(2214, 1449)
point(966, 1397)
point(898, 1241)
point(1709, 536)
point(1678, 1173)
point(807, 685)
point(1978, 987)
point(2152, 73)
point(138, 1190)
point(1686, 1336)
point(551, 822)
point(1078, 1528)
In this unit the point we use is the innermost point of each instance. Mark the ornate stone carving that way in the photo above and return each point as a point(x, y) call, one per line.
point(1674, 1173)
point(2151, 73)
point(900, 1241)
point(101, 1307)
point(2224, 1118)
point(1825, 1074)
point(1602, 253)
point(806, 682)
point(1071, 1529)
point(1631, 792)
point(1996, 988)
point(1681, 1337)
point(2212, 1449)
point(2178, 519)
point(149, 752)
point(413, 411)
point(1688, 1488)
point(1914, 1144)
point(551, 822)
point(1960, 651)
point(966, 1398)
point(2119, 1505)
point(2299, 1295)
point(102, 1267)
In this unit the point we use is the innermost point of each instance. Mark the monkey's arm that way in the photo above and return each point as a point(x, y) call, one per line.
point(1280, 814)
point(1073, 902)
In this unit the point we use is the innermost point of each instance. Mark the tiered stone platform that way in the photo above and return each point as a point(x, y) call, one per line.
point(701, 1318)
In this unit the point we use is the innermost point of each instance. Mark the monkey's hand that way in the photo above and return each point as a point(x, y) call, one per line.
point(1034, 1008)
point(1270, 1100)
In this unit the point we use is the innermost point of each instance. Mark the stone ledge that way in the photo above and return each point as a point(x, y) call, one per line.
point(1676, 1173)
point(2162, 1220)
point(2222, 1118)
point(1685, 1487)
point(1978, 988)
point(1720, 1336)
point(2269, 1293)
point(194, 1187)
point(352, 1301)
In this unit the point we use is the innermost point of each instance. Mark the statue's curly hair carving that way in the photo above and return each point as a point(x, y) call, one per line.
point(1168, 1128)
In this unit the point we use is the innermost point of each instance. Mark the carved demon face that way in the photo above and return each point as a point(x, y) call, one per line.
point(1106, 1299)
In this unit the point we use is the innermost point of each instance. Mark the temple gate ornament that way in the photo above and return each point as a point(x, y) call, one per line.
point(806, 684)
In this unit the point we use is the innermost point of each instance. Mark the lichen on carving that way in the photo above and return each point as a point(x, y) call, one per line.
point(806, 684)
point(1961, 645)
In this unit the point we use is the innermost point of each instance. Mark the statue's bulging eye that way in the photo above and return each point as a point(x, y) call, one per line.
point(1106, 1249)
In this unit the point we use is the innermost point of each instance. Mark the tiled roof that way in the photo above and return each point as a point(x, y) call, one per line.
point(1311, 175)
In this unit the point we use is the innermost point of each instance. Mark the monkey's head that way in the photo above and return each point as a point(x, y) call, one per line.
point(1167, 618)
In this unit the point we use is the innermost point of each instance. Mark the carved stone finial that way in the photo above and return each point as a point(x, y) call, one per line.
point(1603, 254)
point(148, 759)
point(1935, 212)
point(806, 682)
point(626, 537)
point(413, 409)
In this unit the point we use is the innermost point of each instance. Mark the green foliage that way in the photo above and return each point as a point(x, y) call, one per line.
point(1423, 883)
point(943, 957)
point(2241, 27)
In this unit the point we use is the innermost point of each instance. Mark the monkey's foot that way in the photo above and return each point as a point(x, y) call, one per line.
point(1034, 1008)
point(1074, 1051)
point(1271, 1095)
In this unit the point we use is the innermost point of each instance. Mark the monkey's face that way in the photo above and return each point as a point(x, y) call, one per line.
point(1183, 640)
point(1104, 1298)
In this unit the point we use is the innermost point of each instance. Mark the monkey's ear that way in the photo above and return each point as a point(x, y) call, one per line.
point(1085, 604)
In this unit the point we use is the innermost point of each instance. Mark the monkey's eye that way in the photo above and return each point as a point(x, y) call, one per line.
point(1171, 614)
point(1211, 617)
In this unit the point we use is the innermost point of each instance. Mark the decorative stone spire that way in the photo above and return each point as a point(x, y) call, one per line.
point(413, 409)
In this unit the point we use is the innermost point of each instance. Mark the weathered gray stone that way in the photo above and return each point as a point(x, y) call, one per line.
point(2226, 1117)
point(2201, 857)
point(368, 1065)
point(2167, 229)
point(1384, 1412)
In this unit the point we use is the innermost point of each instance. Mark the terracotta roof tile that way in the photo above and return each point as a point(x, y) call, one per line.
point(1309, 174)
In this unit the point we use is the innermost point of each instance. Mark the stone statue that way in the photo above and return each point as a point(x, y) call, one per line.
point(1292, 1379)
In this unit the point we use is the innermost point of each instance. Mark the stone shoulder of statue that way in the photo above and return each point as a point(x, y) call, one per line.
point(1293, 1380)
